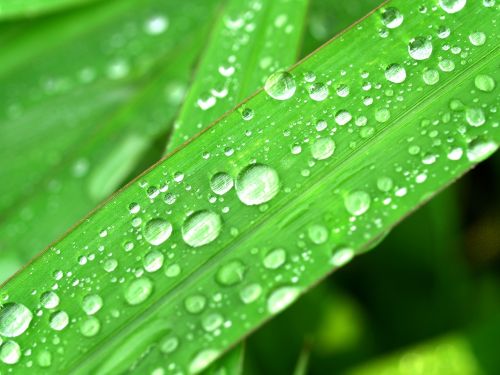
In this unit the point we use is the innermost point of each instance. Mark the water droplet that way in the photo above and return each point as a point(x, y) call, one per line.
point(92, 303)
point(153, 261)
point(90, 326)
point(385, 184)
point(156, 231)
point(15, 318)
point(156, 25)
point(357, 202)
point(280, 86)
point(10, 352)
point(138, 291)
point(318, 234)
point(250, 293)
point(44, 359)
point(221, 183)
point(202, 360)
point(455, 154)
point(201, 228)
point(318, 92)
point(484, 83)
point(281, 298)
point(446, 65)
point(420, 48)
point(480, 149)
point(49, 300)
point(382, 115)
point(169, 344)
point(275, 259)
point(59, 320)
point(478, 38)
point(395, 73)
point(475, 116)
point(392, 18)
point(231, 273)
point(343, 91)
point(247, 114)
point(195, 303)
point(452, 6)
point(110, 265)
point(173, 270)
point(430, 76)
point(212, 321)
point(257, 184)
point(341, 256)
point(342, 117)
point(322, 148)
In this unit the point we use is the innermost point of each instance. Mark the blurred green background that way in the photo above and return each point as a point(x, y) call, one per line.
point(426, 300)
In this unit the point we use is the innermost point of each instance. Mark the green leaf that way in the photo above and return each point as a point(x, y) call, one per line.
point(87, 118)
point(175, 253)
point(28, 8)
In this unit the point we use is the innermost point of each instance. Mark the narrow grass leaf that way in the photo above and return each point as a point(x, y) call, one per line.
point(338, 151)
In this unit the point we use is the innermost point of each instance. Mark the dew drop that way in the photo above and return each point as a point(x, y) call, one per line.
point(484, 82)
point(212, 321)
point(382, 115)
point(202, 360)
point(477, 38)
point(395, 73)
point(318, 92)
point(92, 303)
point(156, 25)
point(357, 202)
point(59, 320)
point(318, 234)
point(275, 259)
point(257, 184)
point(280, 85)
point(153, 261)
point(169, 344)
point(15, 319)
point(250, 293)
point(49, 300)
point(392, 18)
point(322, 148)
point(452, 6)
point(221, 183)
point(341, 256)
point(480, 149)
point(231, 273)
point(420, 48)
point(201, 228)
point(44, 359)
point(455, 153)
point(342, 117)
point(195, 304)
point(281, 298)
point(90, 326)
point(138, 291)
point(430, 77)
point(10, 352)
point(475, 117)
point(157, 231)
point(385, 184)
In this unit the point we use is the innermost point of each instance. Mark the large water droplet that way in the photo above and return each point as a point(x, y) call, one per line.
point(201, 228)
point(156, 231)
point(280, 86)
point(138, 291)
point(420, 48)
point(15, 318)
point(275, 259)
point(322, 148)
point(480, 149)
point(452, 6)
point(484, 82)
point(231, 273)
point(281, 298)
point(357, 202)
point(342, 117)
point(392, 18)
point(10, 352)
point(92, 303)
point(341, 256)
point(221, 183)
point(59, 320)
point(395, 73)
point(257, 184)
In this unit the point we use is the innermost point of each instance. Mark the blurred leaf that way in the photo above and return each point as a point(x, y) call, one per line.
point(27, 8)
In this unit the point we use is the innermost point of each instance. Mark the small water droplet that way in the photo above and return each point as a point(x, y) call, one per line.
point(153, 261)
point(342, 117)
point(49, 300)
point(357, 202)
point(392, 18)
point(92, 303)
point(138, 291)
point(169, 344)
point(59, 320)
point(318, 234)
point(257, 184)
point(382, 115)
point(221, 183)
point(430, 76)
point(395, 73)
point(484, 82)
point(475, 116)
point(156, 231)
point(480, 149)
point(195, 303)
point(15, 319)
point(275, 259)
point(477, 38)
point(90, 326)
point(280, 85)
point(212, 321)
point(318, 92)
point(281, 298)
point(341, 256)
point(231, 273)
point(420, 48)
point(385, 184)
point(156, 25)
point(250, 293)
point(322, 148)
point(44, 359)
point(202, 360)
point(452, 6)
